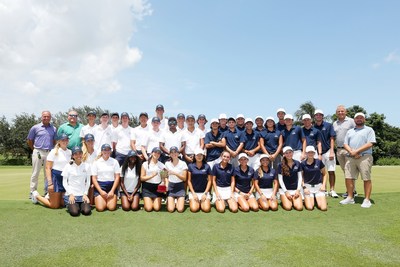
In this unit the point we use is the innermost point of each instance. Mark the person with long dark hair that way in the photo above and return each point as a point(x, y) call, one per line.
point(130, 182)
point(266, 184)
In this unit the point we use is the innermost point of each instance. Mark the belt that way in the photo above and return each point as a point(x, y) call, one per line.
point(45, 150)
point(340, 147)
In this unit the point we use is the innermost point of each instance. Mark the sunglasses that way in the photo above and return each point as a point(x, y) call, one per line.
point(72, 115)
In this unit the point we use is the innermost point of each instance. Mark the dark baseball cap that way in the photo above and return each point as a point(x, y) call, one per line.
point(89, 136)
point(159, 106)
point(180, 115)
point(105, 147)
point(155, 119)
point(76, 149)
point(115, 114)
point(143, 114)
point(91, 112)
point(125, 114)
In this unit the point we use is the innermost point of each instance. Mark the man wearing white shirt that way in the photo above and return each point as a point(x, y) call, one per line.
point(193, 137)
point(139, 135)
point(153, 138)
point(121, 139)
point(171, 138)
point(89, 128)
point(102, 132)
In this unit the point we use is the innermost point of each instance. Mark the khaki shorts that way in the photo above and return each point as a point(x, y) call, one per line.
point(342, 157)
point(362, 166)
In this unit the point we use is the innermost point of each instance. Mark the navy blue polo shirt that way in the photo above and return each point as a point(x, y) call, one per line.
point(215, 152)
point(293, 138)
point(280, 127)
point(240, 128)
point(260, 131)
point(271, 140)
point(327, 132)
point(292, 180)
point(223, 176)
point(312, 173)
point(267, 179)
point(199, 176)
point(251, 140)
point(222, 130)
point(243, 179)
point(233, 139)
point(312, 136)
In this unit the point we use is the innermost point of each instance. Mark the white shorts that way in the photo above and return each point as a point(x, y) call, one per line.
point(224, 192)
point(199, 195)
point(291, 192)
point(314, 190)
point(254, 161)
point(266, 191)
point(237, 196)
point(212, 163)
point(330, 165)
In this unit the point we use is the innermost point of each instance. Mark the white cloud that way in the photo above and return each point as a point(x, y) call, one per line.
point(393, 57)
point(48, 46)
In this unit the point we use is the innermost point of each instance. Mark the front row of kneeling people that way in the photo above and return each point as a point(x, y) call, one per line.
point(80, 178)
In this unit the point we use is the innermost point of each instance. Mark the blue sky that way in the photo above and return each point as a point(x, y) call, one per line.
point(209, 57)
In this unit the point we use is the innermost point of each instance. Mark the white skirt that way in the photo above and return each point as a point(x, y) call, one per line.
point(237, 195)
point(266, 191)
point(199, 195)
point(314, 190)
point(224, 192)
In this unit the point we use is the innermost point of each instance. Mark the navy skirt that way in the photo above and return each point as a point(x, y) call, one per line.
point(57, 181)
point(176, 190)
point(150, 190)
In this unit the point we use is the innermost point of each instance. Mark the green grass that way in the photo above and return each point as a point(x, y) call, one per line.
point(32, 235)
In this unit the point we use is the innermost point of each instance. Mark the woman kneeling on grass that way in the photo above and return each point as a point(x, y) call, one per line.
point(151, 179)
point(76, 181)
point(266, 185)
point(105, 178)
point(177, 171)
point(130, 182)
point(314, 181)
point(290, 181)
point(224, 184)
point(199, 182)
point(244, 185)
point(57, 159)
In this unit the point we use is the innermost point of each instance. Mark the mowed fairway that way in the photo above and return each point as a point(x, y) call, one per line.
point(32, 235)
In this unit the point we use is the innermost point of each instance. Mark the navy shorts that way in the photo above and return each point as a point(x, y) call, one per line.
point(57, 181)
point(176, 189)
point(78, 199)
point(150, 190)
point(105, 186)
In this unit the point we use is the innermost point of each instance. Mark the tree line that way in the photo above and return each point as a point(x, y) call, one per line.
point(15, 151)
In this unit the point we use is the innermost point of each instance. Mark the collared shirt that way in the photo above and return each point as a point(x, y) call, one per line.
point(341, 128)
point(42, 136)
point(312, 172)
point(243, 179)
point(312, 136)
point(73, 133)
point(267, 178)
point(251, 140)
point(233, 139)
point(215, 152)
point(199, 177)
point(327, 132)
point(291, 180)
point(271, 140)
point(76, 179)
point(357, 137)
point(223, 175)
point(293, 138)
point(131, 179)
point(105, 170)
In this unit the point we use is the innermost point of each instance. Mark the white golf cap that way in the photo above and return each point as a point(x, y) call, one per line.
point(263, 156)
point(310, 149)
point(286, 148)
point(239, 116)
point(281, 110)
point(288, 116)
point(259, 117)
point(248, 120)
point(214, 120)
point(198, 151)
point(359, 114)
point(306, 116)
point(270, 118)
point(318, 111)
point(223, 116)
point(243, 155)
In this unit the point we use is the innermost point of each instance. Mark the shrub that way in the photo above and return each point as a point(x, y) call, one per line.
point(388, 161)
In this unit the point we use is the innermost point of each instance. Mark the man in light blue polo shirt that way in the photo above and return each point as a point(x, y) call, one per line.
point(358, 143)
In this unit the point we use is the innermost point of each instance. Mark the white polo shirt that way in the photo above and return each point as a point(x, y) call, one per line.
point(192, 140)
point(179, 168)
point(139, 135)
point(130, 179)
point(61, 159)
point(153, 140)
point(105, 170)
point(76, 179)
point(102, 136)
point(122, 136)
point(171, 139)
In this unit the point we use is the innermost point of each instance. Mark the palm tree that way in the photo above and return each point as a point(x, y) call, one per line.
point(305, 108)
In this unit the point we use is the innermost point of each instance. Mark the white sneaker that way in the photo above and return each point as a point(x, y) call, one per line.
point(366, 204)
point(47, 196)
point(347, 201)
point(34, 195)
point(333, 194)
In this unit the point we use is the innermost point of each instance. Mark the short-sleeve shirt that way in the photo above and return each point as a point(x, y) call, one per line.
point(105, 170)
point(199, 177)
point(122, 136)
point(271, 140)
point(192, 140)
point(293, 138)
point(61, 159)
point(291, 180)
point(42, 136)
point(73, 133)
point(223, 175)
point(251, 140)
point(312, 172)
point(327, 132)
point(357, 137)
point(312, 136)
point(150, 168)
point(215, 152)
point(178, 168)
point(267, 178)
point(243, 179)
point(341, 128)
point(76, 179)
point(131, 179)
point(233, 139)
